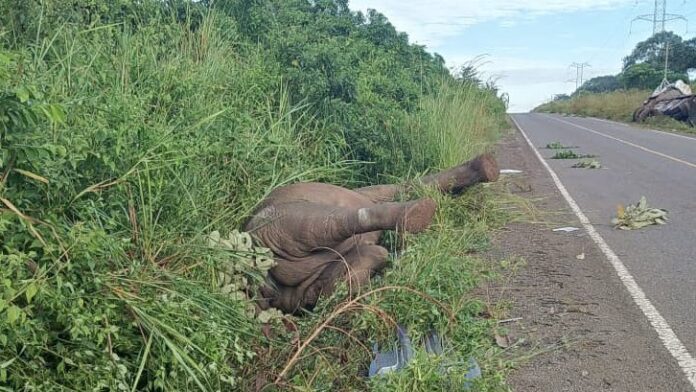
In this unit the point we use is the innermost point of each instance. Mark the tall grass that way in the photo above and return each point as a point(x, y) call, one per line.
point(456, 123)
point(160, 145)
point(156, 135)
point(616, 105)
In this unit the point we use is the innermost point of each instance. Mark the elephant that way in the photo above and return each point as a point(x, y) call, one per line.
point(319, 232)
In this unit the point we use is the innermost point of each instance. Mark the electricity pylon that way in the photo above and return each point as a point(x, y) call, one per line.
point(659, 17)
point(579, 70)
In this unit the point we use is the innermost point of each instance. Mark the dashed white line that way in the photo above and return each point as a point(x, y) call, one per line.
point(638, 146)
point(669, 339)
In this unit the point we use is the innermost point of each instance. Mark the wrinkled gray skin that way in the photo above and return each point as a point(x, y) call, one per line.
point(318, 232)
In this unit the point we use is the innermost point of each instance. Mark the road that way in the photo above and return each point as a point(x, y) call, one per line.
point(659, 261)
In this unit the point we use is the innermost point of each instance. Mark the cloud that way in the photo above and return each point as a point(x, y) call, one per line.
point(431, 22)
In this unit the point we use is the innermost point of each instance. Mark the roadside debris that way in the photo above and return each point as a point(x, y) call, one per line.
point(636, 216)
point(398, 358)
point(569, 154)
point(510, 171)
point(588, 164)
point(502, 341)
point(669, 99)
point(510, 320)
point(391, 361)
point(567, 229)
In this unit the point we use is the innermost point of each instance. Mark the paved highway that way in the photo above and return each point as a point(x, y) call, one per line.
point(659, 261)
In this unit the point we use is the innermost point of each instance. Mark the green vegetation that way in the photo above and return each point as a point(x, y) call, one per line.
point(558, 146)
point(570, 154)
point(588, 164)
point(131, 131)
point(616, 97)
point(643, 68)
point(616, 105)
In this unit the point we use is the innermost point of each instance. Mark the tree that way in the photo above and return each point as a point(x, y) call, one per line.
point(645, 76)
point(600, 84)
point(682, 54)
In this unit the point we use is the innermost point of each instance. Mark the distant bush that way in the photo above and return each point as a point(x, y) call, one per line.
point(616, 105)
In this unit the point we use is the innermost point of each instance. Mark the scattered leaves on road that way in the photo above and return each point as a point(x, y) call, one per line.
point(558, 146)
point(569, 154)
point(639, 215)
point(588, 164)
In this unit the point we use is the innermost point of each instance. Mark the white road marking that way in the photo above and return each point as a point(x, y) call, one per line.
point(664, 331)
point(646, 129)
point(638, 146)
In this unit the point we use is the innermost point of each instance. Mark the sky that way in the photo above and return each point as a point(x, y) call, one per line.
point(527, 46)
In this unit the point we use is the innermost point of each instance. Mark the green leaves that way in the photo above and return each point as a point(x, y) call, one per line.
point(31, 291)
point(170, 120)
point(12, 314)
point(639, 215)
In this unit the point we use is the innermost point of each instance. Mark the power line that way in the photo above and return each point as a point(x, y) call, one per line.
point(659, 17)
point(579, 70)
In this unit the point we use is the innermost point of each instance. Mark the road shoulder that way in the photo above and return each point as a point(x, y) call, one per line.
point(580, 326)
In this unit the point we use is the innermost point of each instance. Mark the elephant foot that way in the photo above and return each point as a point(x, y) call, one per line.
point(487, 168)
point(417, 216)
point(481, 169)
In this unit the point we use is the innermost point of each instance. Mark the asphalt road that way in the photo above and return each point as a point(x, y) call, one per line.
point(636, 162)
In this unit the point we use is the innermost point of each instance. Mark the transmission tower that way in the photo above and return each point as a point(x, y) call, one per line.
point(659, 17)
point(579, 71)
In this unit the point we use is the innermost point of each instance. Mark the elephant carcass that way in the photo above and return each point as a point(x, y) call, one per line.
point(320, 233)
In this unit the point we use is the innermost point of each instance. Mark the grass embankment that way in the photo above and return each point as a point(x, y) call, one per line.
point(616, 105)
point(130, 132)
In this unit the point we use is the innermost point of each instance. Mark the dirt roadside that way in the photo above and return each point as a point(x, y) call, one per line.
point(576, 315)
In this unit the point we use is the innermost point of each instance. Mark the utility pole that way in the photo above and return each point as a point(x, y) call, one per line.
point(659, 17)
point(666, 61)
point(579, 71)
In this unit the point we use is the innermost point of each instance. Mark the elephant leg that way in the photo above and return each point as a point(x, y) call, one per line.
point(382, 193)
point(358, 266)
point(294, 230)
point(481, 169)
point(360, 263)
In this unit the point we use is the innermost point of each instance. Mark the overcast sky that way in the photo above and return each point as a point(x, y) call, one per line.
point(528, 45)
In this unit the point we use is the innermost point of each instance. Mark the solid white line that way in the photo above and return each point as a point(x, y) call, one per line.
point(693, 139)
point(664, 331)
point(687, 163)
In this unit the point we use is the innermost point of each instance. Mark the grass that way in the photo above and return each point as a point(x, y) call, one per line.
point(617, 105)
point(126, 148)
point(455, 124)
point(159, 146)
